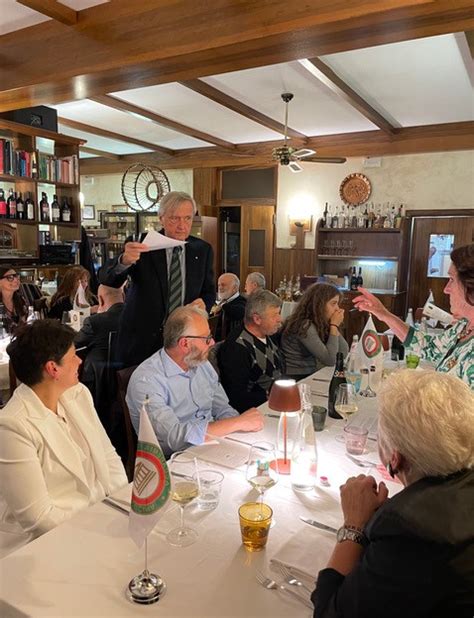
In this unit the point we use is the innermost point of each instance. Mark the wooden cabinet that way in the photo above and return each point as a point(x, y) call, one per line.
point(56, 173)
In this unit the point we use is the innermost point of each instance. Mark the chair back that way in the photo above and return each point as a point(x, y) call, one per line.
point(41, 306)
point(213, 321)
point(123, 378)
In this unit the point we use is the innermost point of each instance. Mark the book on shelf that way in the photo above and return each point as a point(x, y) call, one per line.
point(64, 169)
point(15, 162)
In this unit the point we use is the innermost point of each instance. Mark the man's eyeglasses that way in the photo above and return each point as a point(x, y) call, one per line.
point(11, 277)
point(207, 338)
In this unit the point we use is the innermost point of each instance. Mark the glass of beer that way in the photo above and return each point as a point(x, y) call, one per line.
point(255, 520)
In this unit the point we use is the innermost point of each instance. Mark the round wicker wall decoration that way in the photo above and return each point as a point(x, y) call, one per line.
point(355, 189)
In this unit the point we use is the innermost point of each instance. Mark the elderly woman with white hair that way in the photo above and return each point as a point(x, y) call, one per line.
point(411, 555)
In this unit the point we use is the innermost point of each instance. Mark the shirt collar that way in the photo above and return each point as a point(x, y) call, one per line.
point(171, 368)
point(231, 298)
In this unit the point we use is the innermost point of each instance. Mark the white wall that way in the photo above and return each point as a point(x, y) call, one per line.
point(105, 191)
point(439, 180)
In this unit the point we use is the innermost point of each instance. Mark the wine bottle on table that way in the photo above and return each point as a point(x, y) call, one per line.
point(337, 379)
point(397, 351)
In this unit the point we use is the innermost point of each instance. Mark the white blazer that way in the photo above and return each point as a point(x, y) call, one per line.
point(42, 480)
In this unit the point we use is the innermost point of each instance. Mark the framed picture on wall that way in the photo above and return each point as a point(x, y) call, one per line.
point(119, 208)
point(88, 212)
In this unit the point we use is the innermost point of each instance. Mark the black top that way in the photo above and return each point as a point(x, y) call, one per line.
point(141, 324)
point(56, 311)
point(419, 561)
point(231, 317)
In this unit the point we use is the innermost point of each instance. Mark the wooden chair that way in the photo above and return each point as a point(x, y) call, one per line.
point(123, 378)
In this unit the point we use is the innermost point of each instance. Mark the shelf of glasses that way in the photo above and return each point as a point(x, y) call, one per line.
point(369, 230)
point(357, 257)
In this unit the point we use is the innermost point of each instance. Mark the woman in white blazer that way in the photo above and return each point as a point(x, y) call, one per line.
point(55, 457)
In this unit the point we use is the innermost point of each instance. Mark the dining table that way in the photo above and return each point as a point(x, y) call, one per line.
point(83, 566)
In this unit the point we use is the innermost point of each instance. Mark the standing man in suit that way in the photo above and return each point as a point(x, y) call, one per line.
point(161, 280)
point(230, 305)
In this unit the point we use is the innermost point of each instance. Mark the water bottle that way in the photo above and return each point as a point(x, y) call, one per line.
point(304, 457)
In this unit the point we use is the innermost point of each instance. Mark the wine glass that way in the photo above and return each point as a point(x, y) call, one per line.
point(262, 467)
point(345, 404)
point(41, 278)
point(184, 476)
point(368, 391)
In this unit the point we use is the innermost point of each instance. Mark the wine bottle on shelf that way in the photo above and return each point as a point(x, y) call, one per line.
point(335, 218)
point(29, 208)
point(360, 280)
point(3, 204)
point(20, 207)
point(44, 208)
point(398, 218)
point(65, 212)
point(337, 379)
point(11, 205)
point(353, 219)
point(341, 220)
point(55, 211)
point(365, 217)
point(371, 216)
point(354, 279)
point(325, 221)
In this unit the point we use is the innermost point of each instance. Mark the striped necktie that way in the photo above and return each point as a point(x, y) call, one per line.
point(175, 281)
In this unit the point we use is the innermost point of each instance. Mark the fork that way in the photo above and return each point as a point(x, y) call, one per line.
point(362, 463)
point(270, 584)
point(290, 578)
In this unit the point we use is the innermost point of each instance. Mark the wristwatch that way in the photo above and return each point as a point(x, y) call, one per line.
point(350, 533)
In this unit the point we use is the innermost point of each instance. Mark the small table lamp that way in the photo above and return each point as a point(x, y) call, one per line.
point(284, 398)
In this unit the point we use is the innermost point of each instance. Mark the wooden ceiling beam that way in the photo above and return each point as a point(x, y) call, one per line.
point(125, 106)
point(324, 74)
point(54, 9)
point(211, 38)
point(87, 128)
point(413, 140)
point(470, 41)
point(100, 153)
point(197, 85)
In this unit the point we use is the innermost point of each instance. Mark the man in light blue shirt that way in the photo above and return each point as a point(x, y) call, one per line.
point(187, 402)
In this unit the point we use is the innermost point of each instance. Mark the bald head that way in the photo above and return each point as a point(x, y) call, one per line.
point(108, 296)
point(227, 285)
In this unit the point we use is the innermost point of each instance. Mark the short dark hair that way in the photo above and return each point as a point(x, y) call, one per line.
point(35, 344)
point(463, 260)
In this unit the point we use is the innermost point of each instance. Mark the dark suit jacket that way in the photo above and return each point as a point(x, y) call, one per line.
point(141, 324)
point(231, 317)
point(419, 561)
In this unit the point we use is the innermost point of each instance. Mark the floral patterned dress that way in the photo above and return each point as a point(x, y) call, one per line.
point(449, 351)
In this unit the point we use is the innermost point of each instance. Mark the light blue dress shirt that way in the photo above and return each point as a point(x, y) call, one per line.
point(182, 403)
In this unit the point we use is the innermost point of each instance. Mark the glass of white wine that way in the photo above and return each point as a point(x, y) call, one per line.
point(346, 404)
point(184, 476)
point(260, 474)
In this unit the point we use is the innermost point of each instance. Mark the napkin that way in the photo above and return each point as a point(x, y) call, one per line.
point(159, 241)
point(306, 553)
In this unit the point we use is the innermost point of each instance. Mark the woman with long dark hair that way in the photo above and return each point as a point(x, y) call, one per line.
point(311, 337)
point(63, 299)
point(13, 307)
point(453, 350)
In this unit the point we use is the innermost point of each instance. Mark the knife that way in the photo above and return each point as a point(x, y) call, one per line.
point(316, 524)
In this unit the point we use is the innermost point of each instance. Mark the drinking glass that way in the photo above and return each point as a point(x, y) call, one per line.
point(338, 247)
point(345, 250)
point(332, 245)
point(412, 360)
point(260, 474)
point(255, 523)
point(368, 391)
point(345, 404)
point(66, 319)
point(184, 476)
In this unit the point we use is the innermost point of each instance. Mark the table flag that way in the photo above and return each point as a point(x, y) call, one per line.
point(370, 348)
point(151, 482)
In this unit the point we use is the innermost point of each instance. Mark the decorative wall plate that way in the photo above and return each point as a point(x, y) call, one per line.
point(355, 189)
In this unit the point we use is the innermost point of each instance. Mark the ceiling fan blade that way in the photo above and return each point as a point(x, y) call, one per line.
point(302, 153)
point(294, 167)
point(326, 159)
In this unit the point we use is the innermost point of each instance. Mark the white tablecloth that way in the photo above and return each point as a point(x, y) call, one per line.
point(81, 568)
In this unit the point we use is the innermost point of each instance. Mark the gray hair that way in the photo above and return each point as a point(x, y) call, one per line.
point(258, 302)
point(235, 280)
point(258, 279)
point(428, 418)
point(179, 323)
point(172, 200)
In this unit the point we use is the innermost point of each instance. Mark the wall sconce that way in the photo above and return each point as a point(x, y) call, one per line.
point(299, 227)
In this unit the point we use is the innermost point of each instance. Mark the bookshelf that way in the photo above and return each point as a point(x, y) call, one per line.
point(40, 161)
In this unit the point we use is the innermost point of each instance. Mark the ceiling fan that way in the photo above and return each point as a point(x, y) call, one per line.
point(287, 155)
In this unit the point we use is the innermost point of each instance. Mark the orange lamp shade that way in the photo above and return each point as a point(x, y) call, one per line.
point(284, 396)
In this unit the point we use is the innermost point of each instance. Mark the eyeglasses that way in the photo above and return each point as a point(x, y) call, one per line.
point(11, 277)
point(207, 339)
point(173, 219)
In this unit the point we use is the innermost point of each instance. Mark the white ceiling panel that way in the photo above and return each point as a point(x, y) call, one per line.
point(104, 117)
point(103, 143)
point(194, 110)
point(14, 16)
point(415, 83)
point(315, 110)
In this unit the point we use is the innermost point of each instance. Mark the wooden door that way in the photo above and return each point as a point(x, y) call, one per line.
point(256, 234)
point(459, 225)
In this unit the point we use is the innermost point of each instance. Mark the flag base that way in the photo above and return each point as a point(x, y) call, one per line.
point(146, 588)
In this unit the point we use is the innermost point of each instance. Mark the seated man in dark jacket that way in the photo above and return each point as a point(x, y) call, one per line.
point(230, 305)
point(249, 361)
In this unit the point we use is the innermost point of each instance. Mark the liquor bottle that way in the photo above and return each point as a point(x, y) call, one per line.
point(20, 207)
point(398, 218)
point(325, 222)
point(11, 205)
point(44, 208)
point(3, 204)
point(360, 280)
point(29, 208)
point(353, 219)
point(65, 212)
point(365, 218)
point(56, 213)
point(371, 216)
point(354, 279)
point(337, 379)
point(335, 218)
point(341, 218)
